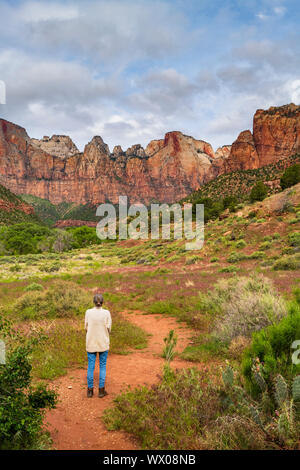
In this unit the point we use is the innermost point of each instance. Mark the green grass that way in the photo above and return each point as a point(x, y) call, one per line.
point(204, 349)
point(170, 415)
point(64, 345)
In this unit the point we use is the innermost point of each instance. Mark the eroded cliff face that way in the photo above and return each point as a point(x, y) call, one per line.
point(166, 171)
point(276, 135)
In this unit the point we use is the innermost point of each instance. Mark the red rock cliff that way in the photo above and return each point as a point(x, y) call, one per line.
point(166, 171)
point(276, 135)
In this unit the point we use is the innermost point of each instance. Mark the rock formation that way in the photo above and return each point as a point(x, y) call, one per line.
point(276, 135)
point(58, 145)
point(166, 171)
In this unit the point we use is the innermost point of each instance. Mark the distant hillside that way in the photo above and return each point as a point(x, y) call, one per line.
point(51, 214)
point(13, 209)
point(239, 183)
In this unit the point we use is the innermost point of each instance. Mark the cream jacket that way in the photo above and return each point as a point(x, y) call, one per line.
point(98, 327)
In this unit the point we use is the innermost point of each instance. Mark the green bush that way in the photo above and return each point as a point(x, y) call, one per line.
point(21, 405)
point(294, 239)
point(272, 346)
point(23, 238)
point(34, 286)
point(290, 177)
point(236, 257)
point(62, 299)
point(240, 244)
point(259, 192)
point(84, 236)
point(288, 263)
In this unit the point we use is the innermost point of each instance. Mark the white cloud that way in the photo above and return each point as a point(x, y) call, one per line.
point(38, 11)
point(279, 11)
point(262, 16)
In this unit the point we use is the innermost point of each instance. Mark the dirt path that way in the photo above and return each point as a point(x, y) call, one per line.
point(76, 422)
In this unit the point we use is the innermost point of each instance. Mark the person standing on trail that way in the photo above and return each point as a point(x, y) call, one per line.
point(98, 328)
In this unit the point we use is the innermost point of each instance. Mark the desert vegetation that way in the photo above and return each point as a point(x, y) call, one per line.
point(238, 295)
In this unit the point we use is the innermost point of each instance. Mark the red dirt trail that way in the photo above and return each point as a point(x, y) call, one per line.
point(76, 422)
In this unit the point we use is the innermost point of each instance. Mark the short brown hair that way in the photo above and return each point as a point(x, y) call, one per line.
point(98, 300)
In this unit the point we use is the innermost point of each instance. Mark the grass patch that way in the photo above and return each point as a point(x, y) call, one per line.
point(170, 415)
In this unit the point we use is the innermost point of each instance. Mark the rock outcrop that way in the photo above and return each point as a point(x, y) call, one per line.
point(167, 170)
point(276, 135)
point(58, 145)
point(243, 154)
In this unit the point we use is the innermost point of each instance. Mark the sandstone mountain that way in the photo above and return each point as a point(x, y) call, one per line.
point(276, 135)
point(166, 171)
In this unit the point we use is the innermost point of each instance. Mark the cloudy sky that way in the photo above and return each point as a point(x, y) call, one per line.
point(131, 70)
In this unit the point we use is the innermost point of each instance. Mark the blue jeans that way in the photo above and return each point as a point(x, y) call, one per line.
point(91, 368)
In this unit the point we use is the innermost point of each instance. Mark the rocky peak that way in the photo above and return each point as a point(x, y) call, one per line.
point(223, 152)
point(97, 145)
point(287, 110)
point(58, 145)
point(136, 151)
point(243, 154)
point(117, 151)
point(276, 133)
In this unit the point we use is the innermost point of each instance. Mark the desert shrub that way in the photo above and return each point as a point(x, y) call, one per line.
point(22, 406)
point(235, 432)
point(237, 346)
point(294, 239)
point(34, 286)
point(61, 241)
point(240, 244)
point(188, 411)
point(62, 299)
point(236, 257)
point(192, 260)
point(272, 347)
point(287, 263)
point(257, 255)
point(245, 305)
point(16, 268)
point(291, 176)
point(259, 192)
point(51, 268)
point(266, 245)
point(229, 269)
point(169, 415)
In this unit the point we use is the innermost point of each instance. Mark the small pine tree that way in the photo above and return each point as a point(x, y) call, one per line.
point(259, 192)
point(291, 176)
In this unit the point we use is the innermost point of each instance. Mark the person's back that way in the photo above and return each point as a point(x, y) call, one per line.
point(98, 326)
